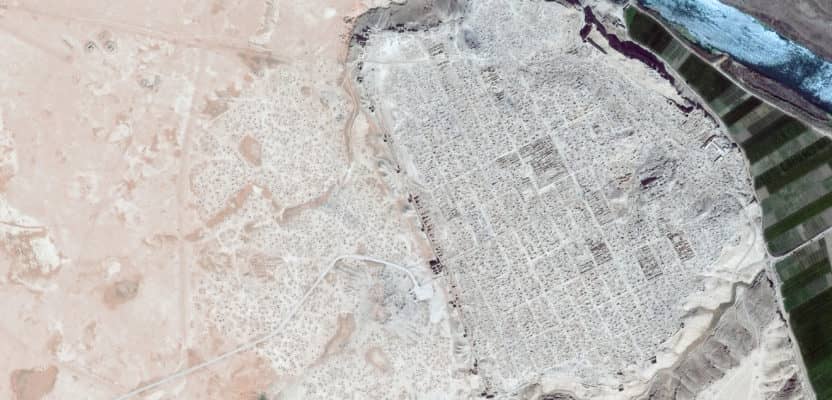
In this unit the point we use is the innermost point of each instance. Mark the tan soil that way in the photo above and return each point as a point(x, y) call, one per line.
point(33, 384)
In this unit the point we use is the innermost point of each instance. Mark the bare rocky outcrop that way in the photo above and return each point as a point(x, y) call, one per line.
point(750, 324)
point(410, 15)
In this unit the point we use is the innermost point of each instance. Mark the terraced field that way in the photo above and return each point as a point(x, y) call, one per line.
point(791, 168)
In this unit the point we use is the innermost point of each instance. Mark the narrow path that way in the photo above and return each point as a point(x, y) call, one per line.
point(274, 333)
point(182, 181)
point(293, 211)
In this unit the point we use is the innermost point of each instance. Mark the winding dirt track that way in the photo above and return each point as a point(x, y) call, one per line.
point(276, 332)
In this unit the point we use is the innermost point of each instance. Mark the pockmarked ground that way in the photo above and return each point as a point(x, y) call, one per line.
point(303, 200)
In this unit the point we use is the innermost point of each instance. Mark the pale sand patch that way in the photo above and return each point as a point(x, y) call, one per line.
point(376, 357)
point(738, 383)
point(771, 368)
point(251, 150)
point(738, 263)
point(345, 329)
point(33, 384)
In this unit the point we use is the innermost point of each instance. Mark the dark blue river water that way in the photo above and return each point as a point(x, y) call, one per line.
point(717, 26)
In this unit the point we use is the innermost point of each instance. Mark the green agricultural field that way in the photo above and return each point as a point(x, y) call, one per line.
point(807, 296)
point(785, 129)
point(707, 81)
point(804, 213)
point(809, 188)
point(782, 149)
point(791, 175)
point(729, 99)
point(802, 259)
point(791, 170)
point(741, 110)
point(817, 154)
point(811, 323)
point(763, 122)
point(629, 15)
point(806, 284)
point(675, 53)
point(646, 31)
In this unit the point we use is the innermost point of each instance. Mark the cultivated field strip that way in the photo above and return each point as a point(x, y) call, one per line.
point(790, 162)
point(791, 168)
point(807, 296)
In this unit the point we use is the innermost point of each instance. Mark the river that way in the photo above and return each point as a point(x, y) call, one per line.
point(722, 28)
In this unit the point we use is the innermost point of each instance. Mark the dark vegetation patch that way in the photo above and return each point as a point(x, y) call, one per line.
point(647, 31)
point(627, 48)
point(762, 124)
point(811, 323)
point(804, 272)
point(780, 132)
point(706, 80)
point(630, 14)
point(741, 110)
point(731, 98)
point(683, 108)
point(801, 259)
point(806, 212)
point(794, 167)
point(768, 133)
point(794, 289)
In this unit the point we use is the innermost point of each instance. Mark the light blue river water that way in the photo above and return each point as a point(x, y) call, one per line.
point(720, 27)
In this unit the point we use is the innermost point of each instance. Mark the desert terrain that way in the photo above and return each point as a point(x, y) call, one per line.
point(367, 199)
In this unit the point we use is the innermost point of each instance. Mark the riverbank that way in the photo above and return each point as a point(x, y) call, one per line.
point(721, 29)
point(806, 22)
point(771, 91)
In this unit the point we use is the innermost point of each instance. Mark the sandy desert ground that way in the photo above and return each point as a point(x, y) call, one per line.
point(196, 204)
point(137, 181)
